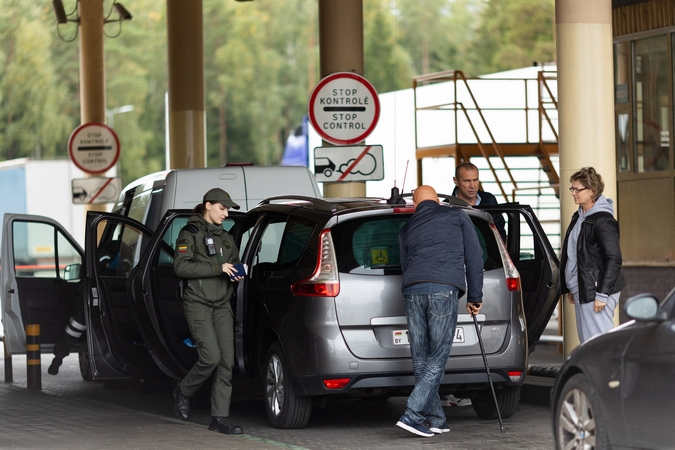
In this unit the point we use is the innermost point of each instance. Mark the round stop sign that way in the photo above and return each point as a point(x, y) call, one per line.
point(94, 147)
point(344, 108)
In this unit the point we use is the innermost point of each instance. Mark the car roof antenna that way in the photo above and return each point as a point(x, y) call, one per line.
point(396, 198)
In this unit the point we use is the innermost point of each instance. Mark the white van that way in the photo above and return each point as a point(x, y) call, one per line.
point(148, 198)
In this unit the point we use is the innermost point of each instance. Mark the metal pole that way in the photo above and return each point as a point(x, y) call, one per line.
point(487, 369)
point(9, 377)
point(33, 363)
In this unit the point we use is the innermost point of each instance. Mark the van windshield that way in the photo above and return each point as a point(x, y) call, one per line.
point(370, 245)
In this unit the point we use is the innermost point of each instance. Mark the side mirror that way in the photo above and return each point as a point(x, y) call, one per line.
point(643, 307)
point(72, 272)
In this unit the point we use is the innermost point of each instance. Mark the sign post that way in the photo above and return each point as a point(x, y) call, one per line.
point(94, 148)
point(344, 108)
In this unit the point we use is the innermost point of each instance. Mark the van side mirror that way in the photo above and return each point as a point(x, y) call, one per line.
point(72, 272)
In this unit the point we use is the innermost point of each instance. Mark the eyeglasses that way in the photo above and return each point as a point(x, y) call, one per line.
point(574, 190)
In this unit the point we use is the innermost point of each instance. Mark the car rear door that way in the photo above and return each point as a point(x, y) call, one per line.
point(114, 245)
point(40, 278)
point(536, 261)
point(154, 290)
point(370, 307)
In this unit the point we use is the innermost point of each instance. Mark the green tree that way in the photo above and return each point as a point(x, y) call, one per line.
point(33, 120)
point(515, 33)
point(387, 64)
point(260, 70)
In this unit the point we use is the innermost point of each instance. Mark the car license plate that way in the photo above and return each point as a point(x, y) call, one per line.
point(401, 336)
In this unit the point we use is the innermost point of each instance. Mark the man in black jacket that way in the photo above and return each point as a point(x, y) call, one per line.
point(467, 187)
point(441, 259)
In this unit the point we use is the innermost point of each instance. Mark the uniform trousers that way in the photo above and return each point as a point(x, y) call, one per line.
point(212, 330)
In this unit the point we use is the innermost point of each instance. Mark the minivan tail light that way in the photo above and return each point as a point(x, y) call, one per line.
point(325, 281)
point(515, 375)
point(510, 272)
point(336, 383)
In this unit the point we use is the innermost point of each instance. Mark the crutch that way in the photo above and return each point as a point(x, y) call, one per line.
point(487, 369)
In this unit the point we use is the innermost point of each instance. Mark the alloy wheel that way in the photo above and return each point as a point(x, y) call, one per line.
point(576, 422)
point(275, 384)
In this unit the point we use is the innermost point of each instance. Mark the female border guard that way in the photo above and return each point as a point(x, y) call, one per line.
point(204, 258)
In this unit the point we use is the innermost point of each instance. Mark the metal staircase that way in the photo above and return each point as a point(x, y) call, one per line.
point(516, 117)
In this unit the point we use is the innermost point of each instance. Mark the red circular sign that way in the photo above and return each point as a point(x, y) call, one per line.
point(344, 108)
point(94, 147)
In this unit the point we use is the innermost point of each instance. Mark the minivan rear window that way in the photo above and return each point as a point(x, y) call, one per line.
point(369, 245)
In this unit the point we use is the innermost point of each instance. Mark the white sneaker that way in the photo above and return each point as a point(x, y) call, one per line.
point(450, 400)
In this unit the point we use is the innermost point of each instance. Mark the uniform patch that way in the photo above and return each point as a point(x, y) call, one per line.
point(226, 245)
point(182, 248)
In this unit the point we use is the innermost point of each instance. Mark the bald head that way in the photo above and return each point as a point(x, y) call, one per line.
point(424, 193)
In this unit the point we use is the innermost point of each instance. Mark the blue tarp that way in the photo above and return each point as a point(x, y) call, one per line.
point(296, 152)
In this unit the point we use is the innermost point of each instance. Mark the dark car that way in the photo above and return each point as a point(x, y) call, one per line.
point(320, 313)
point(616, 390)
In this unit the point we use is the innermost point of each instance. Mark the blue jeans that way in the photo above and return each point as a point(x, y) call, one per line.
point(432, 319)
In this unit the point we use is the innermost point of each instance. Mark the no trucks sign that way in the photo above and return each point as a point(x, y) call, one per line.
point(344, 108)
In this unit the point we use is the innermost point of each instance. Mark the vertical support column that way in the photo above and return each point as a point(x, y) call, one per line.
point(586, 109)
point(9, 374)
point(187, 122)
point(33, 362)
point(92, 62)
point(92, 68)
point(341, 50)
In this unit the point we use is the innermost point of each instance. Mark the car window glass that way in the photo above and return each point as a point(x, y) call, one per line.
point(268, 248)
point(41, 250)
point(370, 245)
point(296, 234)
point(139, 206)
point(119, 248)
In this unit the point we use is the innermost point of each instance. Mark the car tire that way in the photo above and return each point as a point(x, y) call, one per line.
point(85, 367)
point(285, 408)
point(484, 404)
point(577, 420)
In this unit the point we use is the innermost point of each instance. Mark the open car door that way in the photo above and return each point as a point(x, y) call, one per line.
point(537, 263)
point(154, 290)
point(114, 245)
point(40, 278)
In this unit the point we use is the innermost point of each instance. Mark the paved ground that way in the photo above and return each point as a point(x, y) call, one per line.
point(69, 413)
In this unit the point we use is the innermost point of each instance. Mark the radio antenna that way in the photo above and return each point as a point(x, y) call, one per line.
point(405, 174)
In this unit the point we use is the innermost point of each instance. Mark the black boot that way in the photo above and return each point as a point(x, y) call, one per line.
point(181, 404)
point(222, 425)
point(54, 367)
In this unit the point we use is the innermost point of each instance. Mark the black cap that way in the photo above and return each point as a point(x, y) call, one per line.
point(220, 196)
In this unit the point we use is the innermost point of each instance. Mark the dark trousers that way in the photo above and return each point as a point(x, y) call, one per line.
point(212, 330)
point(73, 331)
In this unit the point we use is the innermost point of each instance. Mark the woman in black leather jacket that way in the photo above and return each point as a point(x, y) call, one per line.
point(591, 256)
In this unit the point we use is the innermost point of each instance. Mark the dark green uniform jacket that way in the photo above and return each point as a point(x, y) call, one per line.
point(206, 282)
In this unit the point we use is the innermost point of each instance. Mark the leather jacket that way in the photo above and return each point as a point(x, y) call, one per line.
point(598, 256)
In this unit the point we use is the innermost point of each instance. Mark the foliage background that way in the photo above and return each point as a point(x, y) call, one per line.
point(261, 62)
